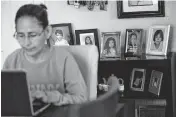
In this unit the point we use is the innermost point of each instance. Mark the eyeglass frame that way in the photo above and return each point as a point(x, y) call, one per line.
point(29, 36)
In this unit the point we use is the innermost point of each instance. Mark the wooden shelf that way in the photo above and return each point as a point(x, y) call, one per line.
point(122, 68)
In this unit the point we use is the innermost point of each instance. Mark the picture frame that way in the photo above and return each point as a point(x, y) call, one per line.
point(62, 34)
point(108, 52)
point(140, 9)
point(137, 79)
point(133, 42)
point(158, 47)
point(155, 82)
point(87, 37)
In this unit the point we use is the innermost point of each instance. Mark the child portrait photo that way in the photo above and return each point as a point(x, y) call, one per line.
point(155, 82)
point(133, 44)
point(110, 45)
point(137, 79)
point(62, 34)
point(158, 40)
point(87, 39)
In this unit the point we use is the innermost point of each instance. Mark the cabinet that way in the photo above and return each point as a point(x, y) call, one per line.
point(122, 69)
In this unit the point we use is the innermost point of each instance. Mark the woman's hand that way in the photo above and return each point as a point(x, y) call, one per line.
point(47, 96)
point(53, 96)
point(39, 95)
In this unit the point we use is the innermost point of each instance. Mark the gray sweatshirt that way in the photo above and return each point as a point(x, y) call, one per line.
point(59, 72)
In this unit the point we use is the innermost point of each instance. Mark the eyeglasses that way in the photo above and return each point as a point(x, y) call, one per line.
point(31, 36)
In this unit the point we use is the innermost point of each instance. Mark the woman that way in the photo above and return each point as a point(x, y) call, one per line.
point(110, 48)
point(157, 44)
point(49, 69)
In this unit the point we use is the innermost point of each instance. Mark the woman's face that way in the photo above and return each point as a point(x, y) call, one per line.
point(30, 35)
point(158, 39)
point(111, 43)
point(133, 40)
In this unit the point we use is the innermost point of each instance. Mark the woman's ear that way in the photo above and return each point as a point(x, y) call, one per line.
point(48, 30)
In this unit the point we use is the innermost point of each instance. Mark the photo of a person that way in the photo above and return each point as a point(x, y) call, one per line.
point(132, 43)
point(157, 44)
point(110, 48)
point(60, 38)
point(155, 82)
point(88, 40)
point(137, 81)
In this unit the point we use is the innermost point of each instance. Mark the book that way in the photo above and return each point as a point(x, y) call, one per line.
point(160, 102)
point(151, 111)
point(150, 107)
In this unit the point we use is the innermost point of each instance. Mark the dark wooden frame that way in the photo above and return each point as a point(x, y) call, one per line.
point(95, 31)
point(72, 40)
point(140, 14)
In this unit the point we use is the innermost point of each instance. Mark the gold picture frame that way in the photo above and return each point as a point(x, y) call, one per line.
point(107, 39)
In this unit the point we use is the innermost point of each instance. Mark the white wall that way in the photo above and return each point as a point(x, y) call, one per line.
point(104, 21)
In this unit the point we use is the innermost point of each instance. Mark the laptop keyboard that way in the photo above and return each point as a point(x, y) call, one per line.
point(38, 104)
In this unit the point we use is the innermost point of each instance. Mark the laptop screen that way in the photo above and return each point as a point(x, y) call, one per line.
point(14, 94)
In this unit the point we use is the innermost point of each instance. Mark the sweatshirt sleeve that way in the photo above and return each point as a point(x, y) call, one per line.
point(6, 64)
point(12, 61)
point(76, 89)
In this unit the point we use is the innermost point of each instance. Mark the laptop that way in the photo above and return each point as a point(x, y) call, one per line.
point(15, 95)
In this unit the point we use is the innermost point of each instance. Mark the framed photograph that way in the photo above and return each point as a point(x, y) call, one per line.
point(87, 37)
point(133, 42)
point(151, 111)
point(137, 79)
point(157, 43)
point(110, 45)
point(62, 34)
point(155, 82)
point(140, 8)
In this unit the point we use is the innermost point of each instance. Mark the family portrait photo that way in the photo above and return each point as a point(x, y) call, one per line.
point(158, 39)
point(61, 34)
point(110, 45)
point(155, 82)
point(133, 42)
point(137, 79)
